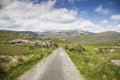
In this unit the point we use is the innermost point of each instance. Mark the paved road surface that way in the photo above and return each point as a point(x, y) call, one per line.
point(57, 66)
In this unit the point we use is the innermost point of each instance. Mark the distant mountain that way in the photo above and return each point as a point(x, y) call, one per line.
point(104, 37)
point(79, 32)
point(109, 33)
point(66, 32)
point(28, 32)
point(108, 37)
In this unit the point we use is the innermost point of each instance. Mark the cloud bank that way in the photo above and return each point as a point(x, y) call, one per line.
point(26, 16)
point(102, 10)
point(115, 17)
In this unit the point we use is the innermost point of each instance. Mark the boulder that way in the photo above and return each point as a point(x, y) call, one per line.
point(19, 42)
point(102, 50)
point(4, 58)
point(36, 43)
point(26, 42)
point(111, 50)
point(116, 47)
point(15, 41)
point(115, 62)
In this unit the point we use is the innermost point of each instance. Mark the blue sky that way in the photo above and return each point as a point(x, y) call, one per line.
point(89, 6)
point(43, 15)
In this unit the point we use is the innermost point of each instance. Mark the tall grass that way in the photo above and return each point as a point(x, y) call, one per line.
point(16, 69)
point(96, 66)
point(21, 58)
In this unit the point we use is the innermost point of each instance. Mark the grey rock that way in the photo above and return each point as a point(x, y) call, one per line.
point(115, 62)
point(36, 43)
point(4, 58)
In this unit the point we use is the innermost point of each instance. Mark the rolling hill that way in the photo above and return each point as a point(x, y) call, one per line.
point(108, 37)
point(28, 32)
point(6, 35)
point(85, 37)
point(105, 37)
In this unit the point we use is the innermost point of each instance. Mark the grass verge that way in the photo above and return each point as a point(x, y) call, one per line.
point(96, 66)
point(18, 69)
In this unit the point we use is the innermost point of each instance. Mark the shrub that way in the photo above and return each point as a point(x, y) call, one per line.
point(3, 69)
point(20, 59)
point(79, 48)
point(31, 47)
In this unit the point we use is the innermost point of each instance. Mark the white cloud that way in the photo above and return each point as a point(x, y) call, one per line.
point(104, 21)
point(60, 15)
point(115, 17)
point(5, 2)
point(83, 13)
point(71, 1)
point(23, 15)
point(113, 28)
point(117, 28)
point(102, 10)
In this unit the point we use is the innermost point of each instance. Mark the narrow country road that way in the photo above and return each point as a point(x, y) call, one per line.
point(57, 66)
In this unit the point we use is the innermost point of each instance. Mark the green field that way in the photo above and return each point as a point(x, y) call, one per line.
point(19, 58)
point(93, 65)
point(96, 66)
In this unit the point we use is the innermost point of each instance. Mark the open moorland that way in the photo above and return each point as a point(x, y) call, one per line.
point(19, 52)
point(95, 55)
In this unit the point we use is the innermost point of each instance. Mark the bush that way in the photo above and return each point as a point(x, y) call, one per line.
point(20, 59)
point(31, 47)
point(3, 69)
point(79, 48)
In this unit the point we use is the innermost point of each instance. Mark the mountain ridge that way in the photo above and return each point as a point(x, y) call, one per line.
point(103, 37)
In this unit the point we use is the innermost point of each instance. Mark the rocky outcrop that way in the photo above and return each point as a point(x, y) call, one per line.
point(115, 62)
point(19, 42)
point(4, 58)
point(107, 50)
point(116, 47)
point(36, 43)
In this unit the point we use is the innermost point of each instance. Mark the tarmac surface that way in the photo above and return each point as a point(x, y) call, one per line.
point(57, 66)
